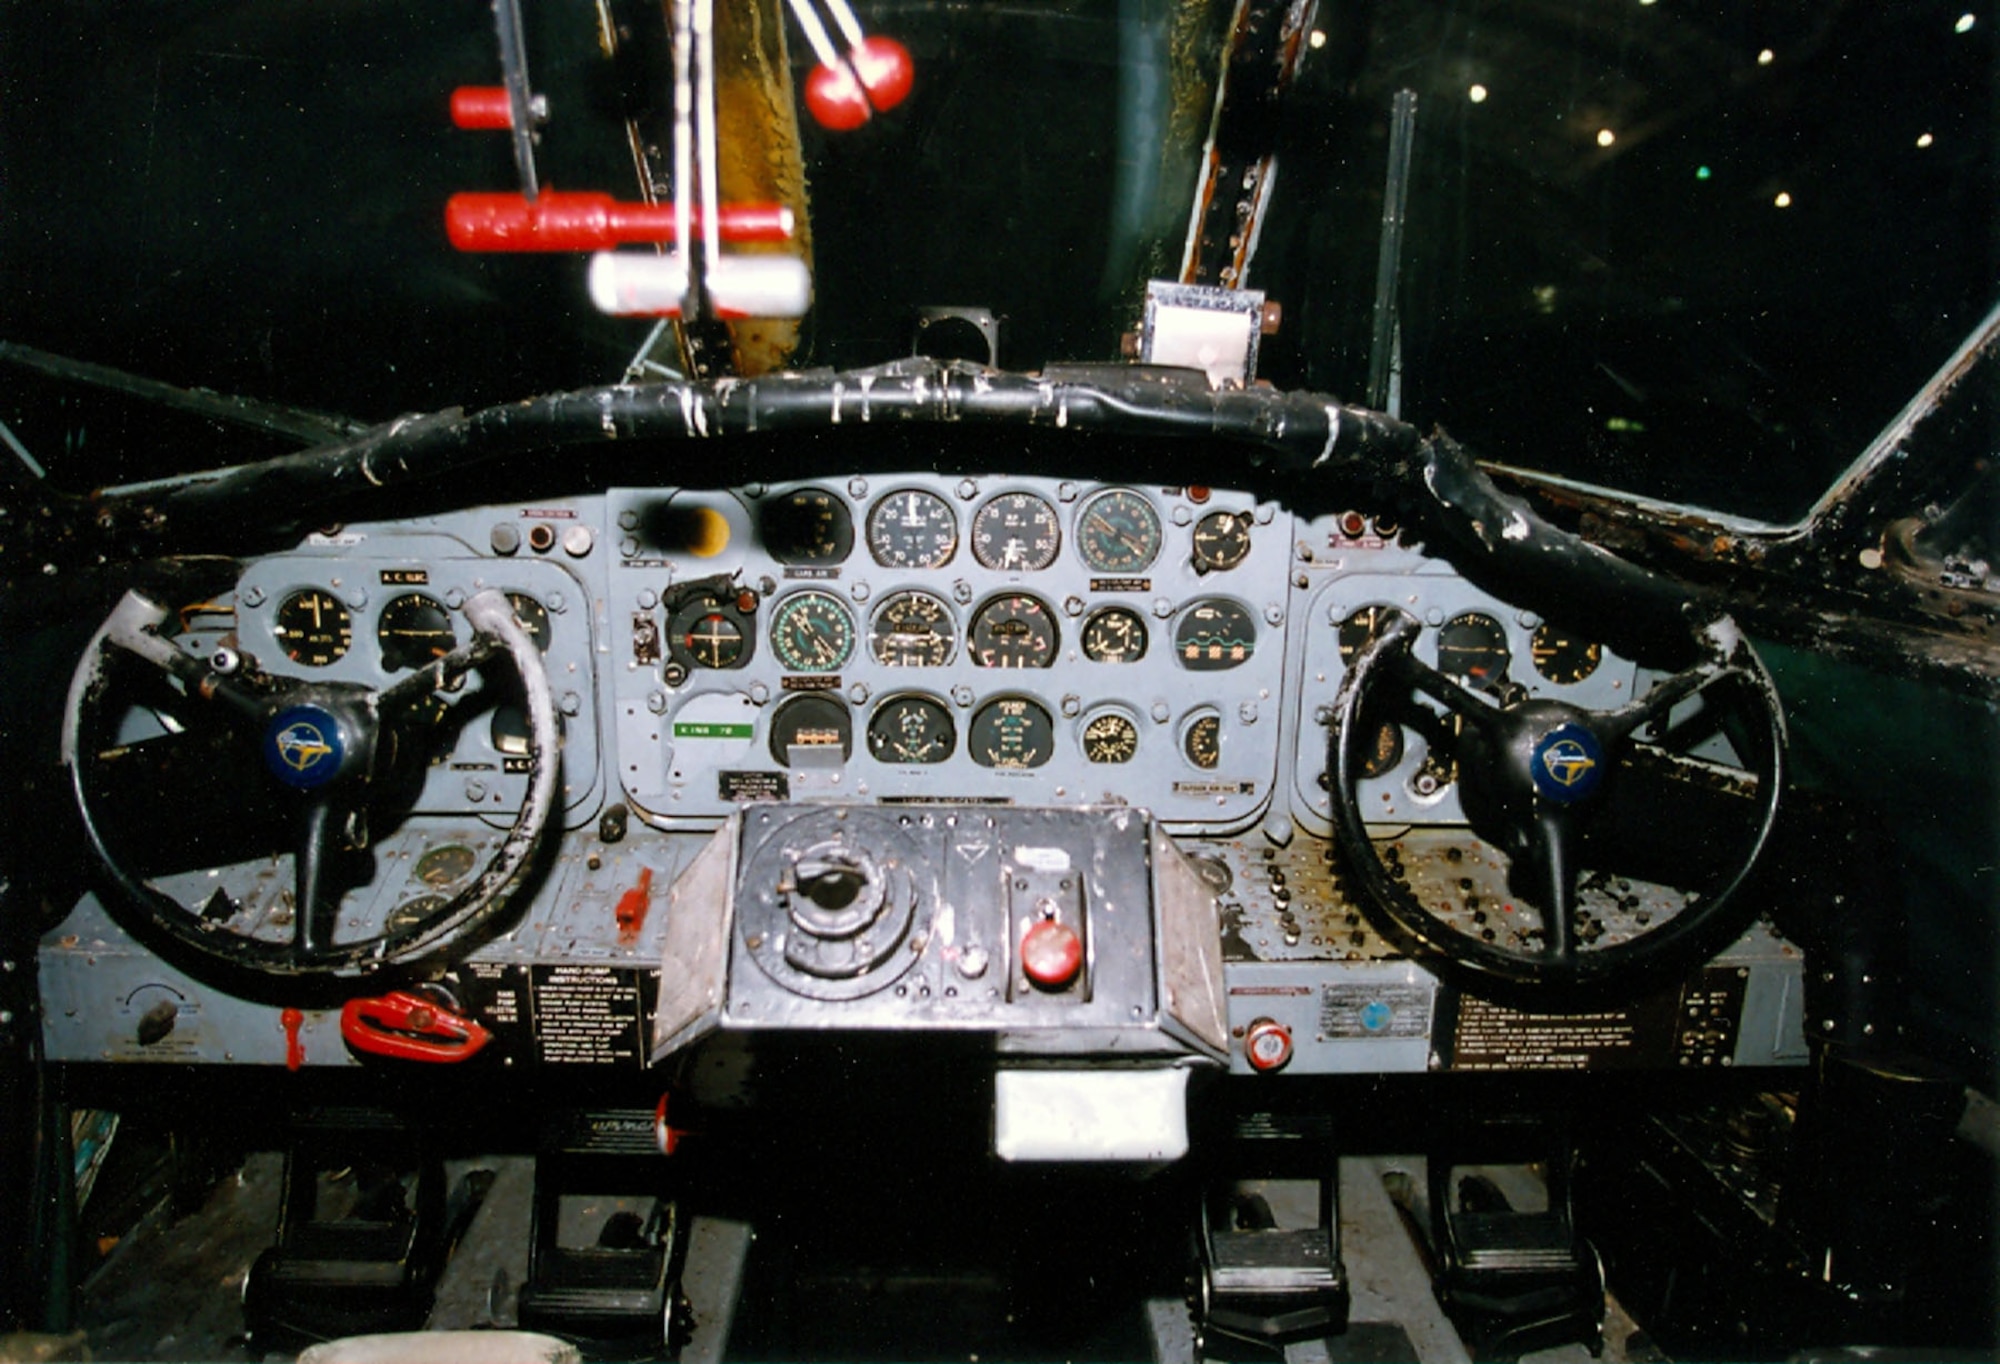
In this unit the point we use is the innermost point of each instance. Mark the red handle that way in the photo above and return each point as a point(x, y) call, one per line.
point(410, 1027)
point(586, 221)
point(481, 106)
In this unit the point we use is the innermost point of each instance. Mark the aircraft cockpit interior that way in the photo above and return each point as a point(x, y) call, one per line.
point(1283, 681)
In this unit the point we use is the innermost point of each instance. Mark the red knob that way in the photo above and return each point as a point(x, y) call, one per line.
point(1051, 954)
point(1267, 1045)
point(885, 70)
point(482, 106)
point(836, 99)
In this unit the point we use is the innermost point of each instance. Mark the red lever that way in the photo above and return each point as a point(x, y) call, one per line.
point(481, 106)
point(410, 1027)
point(632, 907)
point(578, 220)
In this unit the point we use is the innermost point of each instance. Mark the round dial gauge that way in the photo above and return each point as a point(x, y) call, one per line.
point(1473, 646)
point(709, 638)
point(1118, 532)
point(1386, 751)
point(1215, 634)
point(1221, 540)
point(1562, 657)
point(1011, 731)
point(1201, 740)
point(912, 529)
point(1358, 629)
point(445, 864)
point(314, 628)
point(1016, 531)
point(534, 618)
point(1110, 737)
point(811, 632)
point(1015, 631)
point(413, 630)
point(806, 526)
point(912, 629)
point(1116, 634)
point(813, 720)
point(911, 729)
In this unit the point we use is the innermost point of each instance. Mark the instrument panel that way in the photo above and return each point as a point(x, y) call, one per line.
point(922, 638)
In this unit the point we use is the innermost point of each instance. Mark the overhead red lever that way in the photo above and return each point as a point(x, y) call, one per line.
point(410, 1027)
point(580, 220)
point(482, 106)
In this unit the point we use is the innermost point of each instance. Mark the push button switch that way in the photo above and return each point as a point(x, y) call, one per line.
point(1051, 954)
point(1267, 1045)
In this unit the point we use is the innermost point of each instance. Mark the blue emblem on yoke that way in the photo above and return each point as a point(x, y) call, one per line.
point(1568, 764)
point(303, 747)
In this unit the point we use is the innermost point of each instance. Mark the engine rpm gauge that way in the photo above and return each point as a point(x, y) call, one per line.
point(1110, 737)
point(1016, 531)
point(911, 729)
point(1115, 634)
point(1201, 740)
point(1011, 731)
point(314, 628)
point(413, 630)
point(806, 526)
point(1562, 657)
point(912, 529)
point(912, 629)
point(811, 632)
point(1221, 541)
point(1473, 646)
point(1014, 631)
point(1215, 634)
point(1118, 532)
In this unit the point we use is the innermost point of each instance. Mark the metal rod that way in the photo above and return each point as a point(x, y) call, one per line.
point(520, 100)
point(1389, 267)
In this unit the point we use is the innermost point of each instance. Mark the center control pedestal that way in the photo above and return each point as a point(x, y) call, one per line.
point(1082, 943)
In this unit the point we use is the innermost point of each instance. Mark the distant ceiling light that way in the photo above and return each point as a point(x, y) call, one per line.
point(1648, 2)
point(1605, 137)
point(1925, 140)
point(1964, 24)
point(1477, 94)
point(1317, 40)
point(1766, 57)
point(1703, 173)
point(1784, 199)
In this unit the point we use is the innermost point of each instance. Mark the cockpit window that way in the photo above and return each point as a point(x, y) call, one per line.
point(1696, 251)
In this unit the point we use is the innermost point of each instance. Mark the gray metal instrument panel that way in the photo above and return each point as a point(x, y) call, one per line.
point(919, 637)
point(369, 604)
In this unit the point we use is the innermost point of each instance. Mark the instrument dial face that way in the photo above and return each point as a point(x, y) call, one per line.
point(1014, 631)
point(314, 628)
point(911, 729)
point(1215, 634)
point(1386, 751)
point(1118, 532)
point(1562, 657)
point(1472, 646)
point(1110, 737)
point(1201, 740)
point(1358, 629)
point(1115, 634)
point(1221, 540)
point(534, 618)
point(712, 640)
point(913, 629)
point(1016, 532)
point(806, 526)
point(810, 721)
point(812, 632)
point(1011, 731)
point(414, 630)
point(912, 529)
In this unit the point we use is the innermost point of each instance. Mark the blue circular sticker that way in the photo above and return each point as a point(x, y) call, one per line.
point(1376, 1016)
point(304, 748)
point(1568, 764)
